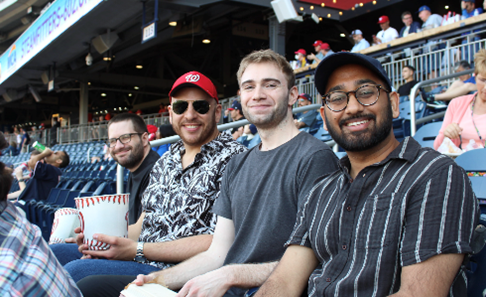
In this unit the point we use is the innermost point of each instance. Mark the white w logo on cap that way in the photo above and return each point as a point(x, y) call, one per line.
point(192, 78)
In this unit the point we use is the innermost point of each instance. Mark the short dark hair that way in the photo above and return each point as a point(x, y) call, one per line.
point(5, 182)
point(406, 13)
point(410, 67)
point(65, 160)
point(464, 64)
point(137, 122)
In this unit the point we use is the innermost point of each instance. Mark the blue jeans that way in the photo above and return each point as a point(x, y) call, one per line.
point(66, 252)
point(79, 269)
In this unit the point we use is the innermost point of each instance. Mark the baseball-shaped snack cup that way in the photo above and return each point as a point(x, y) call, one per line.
point(106, 214)
point(65, 221)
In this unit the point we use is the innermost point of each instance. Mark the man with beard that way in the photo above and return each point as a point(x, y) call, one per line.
point(261, 189)
point(176, 222)
point(396, 219)
point(133, 152)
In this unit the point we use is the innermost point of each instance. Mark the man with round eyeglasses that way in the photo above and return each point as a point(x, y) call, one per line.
point(176, 221)
point(395, 220)
point(129, 146)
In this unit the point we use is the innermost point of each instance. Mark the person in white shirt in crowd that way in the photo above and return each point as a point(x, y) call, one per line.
point(387, 33)
point(359, 42)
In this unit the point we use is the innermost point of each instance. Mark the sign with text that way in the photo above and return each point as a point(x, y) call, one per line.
point(149, 32)
point(61, 15)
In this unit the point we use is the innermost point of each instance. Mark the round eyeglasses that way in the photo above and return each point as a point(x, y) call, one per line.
point(366, 95)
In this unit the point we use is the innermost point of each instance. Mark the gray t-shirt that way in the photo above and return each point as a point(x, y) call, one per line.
point(261, 191)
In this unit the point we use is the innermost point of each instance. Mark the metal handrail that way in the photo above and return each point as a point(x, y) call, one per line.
point(413, 124)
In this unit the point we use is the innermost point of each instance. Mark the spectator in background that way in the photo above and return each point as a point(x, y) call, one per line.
point(316, 58)
point(53, 132)
point(24, 147)
point(28, 266)
point(323, 50)
point(408, 73)
point(469, 9)
point(18, 137)
point(465, 118)
point(163, 109)
point(164, 131)
point(300, 58)
point(464, 85)
point(236, 114)
point(12, 149)
point(308, 118)
point(359, 42)
point(429, 20)
point(47, 173)
point(387, 33)
point(411, 26)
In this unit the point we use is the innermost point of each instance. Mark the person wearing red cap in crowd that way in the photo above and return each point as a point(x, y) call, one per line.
point(387, 33)
point(139, 112)
point(176, 221)
point(151, 130)
point(308, 118)
point(322, 50)
point(300, 58)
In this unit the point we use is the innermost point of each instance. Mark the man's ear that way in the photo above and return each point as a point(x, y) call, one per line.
point(395, 104)
point(293, 95)
point(322, 111)
point(169, 108)
point(217, 111)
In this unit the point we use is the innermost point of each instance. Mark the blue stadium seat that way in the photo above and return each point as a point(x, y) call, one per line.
point(427, 133)
point(322, 134)
point(401, 125)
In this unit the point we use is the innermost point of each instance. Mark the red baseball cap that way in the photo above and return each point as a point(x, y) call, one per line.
point(325, 46)
point(151, 129)
point(383, 19)
point(301, 51)
point(195, 79)
point(317, 43)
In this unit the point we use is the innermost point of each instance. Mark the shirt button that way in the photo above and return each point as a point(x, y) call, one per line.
point(364, 174)
point(351, 180)
point(328, 280)
point(344, 247)
point(348, 208)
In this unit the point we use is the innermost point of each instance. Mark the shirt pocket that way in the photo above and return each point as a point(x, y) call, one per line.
point(380, 221)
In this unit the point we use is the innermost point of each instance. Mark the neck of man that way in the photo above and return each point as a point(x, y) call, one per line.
point(146, 151)
point(274, 137)
point(238, 117)
point(409, 79)
point(362, 159)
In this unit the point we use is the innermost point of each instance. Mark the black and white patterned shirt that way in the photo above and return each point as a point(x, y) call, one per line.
point(177, 202)
point(411, 206)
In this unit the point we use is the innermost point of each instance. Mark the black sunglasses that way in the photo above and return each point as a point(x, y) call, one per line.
point(200, 106)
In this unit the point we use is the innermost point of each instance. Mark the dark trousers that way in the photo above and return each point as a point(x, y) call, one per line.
point(104, 285)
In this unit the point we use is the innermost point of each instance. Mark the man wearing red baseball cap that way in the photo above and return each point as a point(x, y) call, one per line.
point(387, 33)
point(322, 50)
point(300, 58)
point(176, 222)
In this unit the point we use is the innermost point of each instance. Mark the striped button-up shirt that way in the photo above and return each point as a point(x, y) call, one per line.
point(27, 265)
point(411, 206)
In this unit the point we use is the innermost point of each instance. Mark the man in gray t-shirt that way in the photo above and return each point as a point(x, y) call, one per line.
point(260, 191)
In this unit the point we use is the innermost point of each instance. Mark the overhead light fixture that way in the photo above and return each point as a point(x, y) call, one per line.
point(374, 2)
point(361, 4)
point(206, 41)
point(320, 19)
point(173, 23)
point(136, 87)
point(89, 83)
point(89, 59)
point(334, 1)
point(342, 35)
point(323, 4)
point(328, 15)
point(107, 57)
point(352, 8)
point(311, 7)
point(139, 66)
point(446, 7)
point(301, 9)
point(129, 94)
point(103, 94)
point(340, 13)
